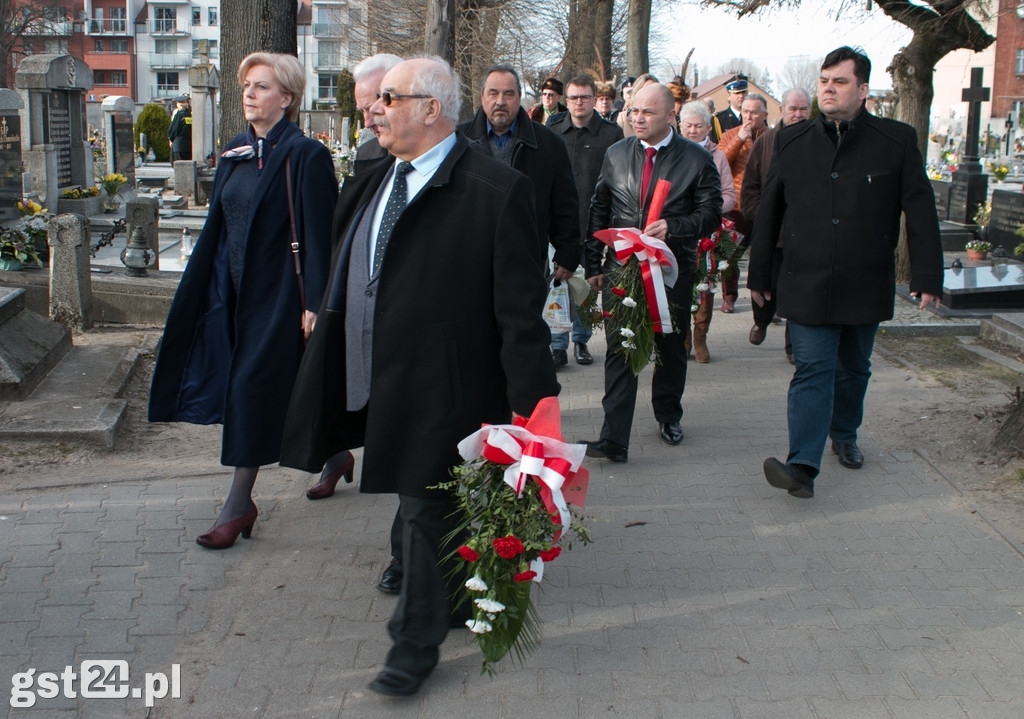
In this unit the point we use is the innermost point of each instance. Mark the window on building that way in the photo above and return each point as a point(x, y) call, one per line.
point(167, 83)
point(119, 78)
point(165, 46)
point(118, 19)
point(57, 47)
point(99, 46)
point(197, 15)
point(212, 48)
point(99, 77)
point(27, 47)
point(329, 53)
point(328, 86)
point(119, 46)
point(328, 22)
point(165, 19)
point(1019, 67)
point(212, 19)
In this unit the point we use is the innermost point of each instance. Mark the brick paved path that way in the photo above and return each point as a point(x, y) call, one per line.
point(706, 593)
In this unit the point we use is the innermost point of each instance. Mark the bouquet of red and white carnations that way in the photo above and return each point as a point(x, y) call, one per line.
point(518, 490)
point(638, 306)
point(713, 254)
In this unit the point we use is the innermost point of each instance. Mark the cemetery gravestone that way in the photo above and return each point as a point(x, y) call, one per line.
point(10, 153)
point(970, 185)
point(1007, 215)
point(117, 134)
point(942, 189)
point(54, 140)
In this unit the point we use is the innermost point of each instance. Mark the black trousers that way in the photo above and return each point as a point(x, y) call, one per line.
point(669, 380)
point(427, 600)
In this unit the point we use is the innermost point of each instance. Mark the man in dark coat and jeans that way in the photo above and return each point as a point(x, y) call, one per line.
point(502, 129)
point(451, 269)
point(835, 193)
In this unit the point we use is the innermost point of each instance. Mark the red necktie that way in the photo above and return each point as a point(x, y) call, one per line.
point(648, 171)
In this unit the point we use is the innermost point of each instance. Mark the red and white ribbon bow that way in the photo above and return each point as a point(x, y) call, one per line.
point(658, 268)
point(534, 450)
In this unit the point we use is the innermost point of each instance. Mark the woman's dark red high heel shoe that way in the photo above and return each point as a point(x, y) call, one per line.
point(324, 488)
point(225, 535)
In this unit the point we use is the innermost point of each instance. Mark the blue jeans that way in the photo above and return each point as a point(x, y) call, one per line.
point(826, 395)
point(580, 335)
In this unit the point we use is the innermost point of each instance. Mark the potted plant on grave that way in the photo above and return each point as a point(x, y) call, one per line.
point(32, 223)
point(999, 171)
point(16, 248)
point(978, 249)
point(111, 184)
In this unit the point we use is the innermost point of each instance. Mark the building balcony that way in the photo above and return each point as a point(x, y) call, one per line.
point(160, 92)
point(170, 61)
point(328, 61)
point(99, 26)
point(327, 29)
point(169, 28)
point(49, 28)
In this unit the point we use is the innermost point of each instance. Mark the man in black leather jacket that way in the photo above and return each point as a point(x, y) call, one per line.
point(692, 210)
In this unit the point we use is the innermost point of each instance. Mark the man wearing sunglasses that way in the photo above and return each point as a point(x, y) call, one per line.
point(436, 250)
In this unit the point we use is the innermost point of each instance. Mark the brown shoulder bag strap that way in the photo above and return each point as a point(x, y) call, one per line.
point(295, 235)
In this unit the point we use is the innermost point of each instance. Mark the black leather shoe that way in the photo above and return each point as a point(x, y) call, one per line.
point(396, 683)
point(391, 580)
point(791, 477)
point(849, 453)
point(671, 432)
point(606, 449)
point(582, 354)
point(560, 358)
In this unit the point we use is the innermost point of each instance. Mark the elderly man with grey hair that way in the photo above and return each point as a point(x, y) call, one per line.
point(796, 107)
point(436, 247)
point(367, 75)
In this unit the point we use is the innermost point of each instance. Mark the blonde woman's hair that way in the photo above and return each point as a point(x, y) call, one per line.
point(287, 70)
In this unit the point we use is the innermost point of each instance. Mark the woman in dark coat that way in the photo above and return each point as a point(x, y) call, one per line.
point(236, 329)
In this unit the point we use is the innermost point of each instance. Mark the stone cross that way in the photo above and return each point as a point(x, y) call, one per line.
point(70, 281)
point(974, 95)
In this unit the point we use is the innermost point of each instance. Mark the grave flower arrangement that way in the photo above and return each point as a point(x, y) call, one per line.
point(33, 221)
point(18, 247)
point(518, 492)
point(637, 306)
point(112, 183)
point(78, 193)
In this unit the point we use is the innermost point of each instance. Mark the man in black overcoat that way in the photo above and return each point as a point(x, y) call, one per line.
point(836, 190)
point(415, 348)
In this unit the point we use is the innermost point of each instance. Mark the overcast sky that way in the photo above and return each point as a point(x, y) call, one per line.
point(771, 38)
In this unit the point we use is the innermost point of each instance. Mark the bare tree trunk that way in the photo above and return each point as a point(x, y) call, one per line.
point(603, 13)
point(637, 30)
point(440, 30)
point(256, 26)
point(580, 50)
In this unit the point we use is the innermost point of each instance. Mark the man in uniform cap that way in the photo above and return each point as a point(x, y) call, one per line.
point(730, 117)
point(179, 134)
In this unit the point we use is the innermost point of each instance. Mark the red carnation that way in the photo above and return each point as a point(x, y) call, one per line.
point(606, 313)
point(507, 547)
point(549, 554)
point(620, 291)
point(525, 576)
point(468, 554)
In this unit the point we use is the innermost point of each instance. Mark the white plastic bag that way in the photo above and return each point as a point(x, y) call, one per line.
point(556, 307)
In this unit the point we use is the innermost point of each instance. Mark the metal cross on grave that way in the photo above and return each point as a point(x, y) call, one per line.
point(974, 95)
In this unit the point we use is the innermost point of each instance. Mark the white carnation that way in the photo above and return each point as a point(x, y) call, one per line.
point(478, 626)
point(702, 287)
point(489, 605)
point(626, 332)
point(629, 302)
point(476, 584)
point(723, 265)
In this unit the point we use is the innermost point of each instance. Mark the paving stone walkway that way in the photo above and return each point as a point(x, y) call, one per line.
point(706, 594)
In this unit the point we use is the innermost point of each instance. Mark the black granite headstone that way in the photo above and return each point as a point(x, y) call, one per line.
point(967, 191)
point(1007, 215)
point(10, 161)
point(942, 190)
point(124, 143)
